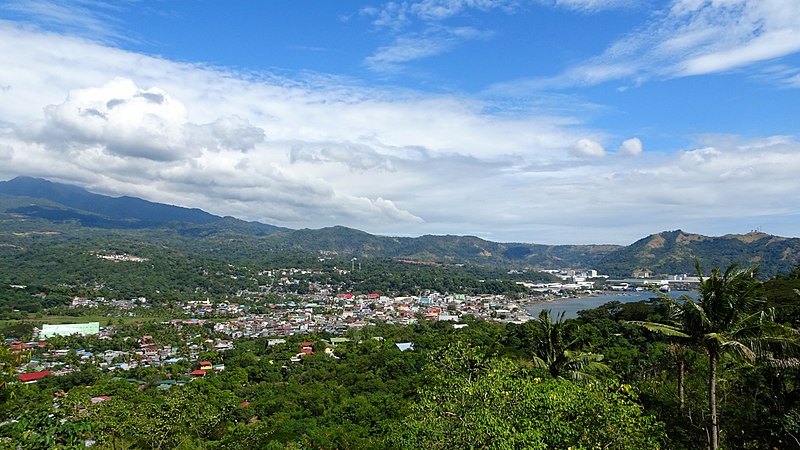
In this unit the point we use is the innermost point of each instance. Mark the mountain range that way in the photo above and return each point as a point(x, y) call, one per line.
point(33, 205)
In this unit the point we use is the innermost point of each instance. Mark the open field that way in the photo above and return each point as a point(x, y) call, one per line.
point(79, 319)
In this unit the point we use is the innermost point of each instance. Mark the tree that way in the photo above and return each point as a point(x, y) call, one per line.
point(727, 318)
point(473, 402)
point(44, 430)
point(557, 349)
point(198, 411)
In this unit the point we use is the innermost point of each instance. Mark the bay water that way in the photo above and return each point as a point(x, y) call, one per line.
point(571, 305)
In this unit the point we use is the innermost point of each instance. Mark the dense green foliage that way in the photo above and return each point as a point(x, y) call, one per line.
point(727, 319)
point(372, 396)
point(474, 402)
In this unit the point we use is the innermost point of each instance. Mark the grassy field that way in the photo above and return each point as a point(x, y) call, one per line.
point(55, 320)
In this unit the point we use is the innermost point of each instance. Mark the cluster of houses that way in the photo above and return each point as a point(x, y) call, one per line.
point(114, 303)
point(207, 307)
point(121, 257)
point(42, 360)
point(333, 315)
point(345, 311)
point(320, 311)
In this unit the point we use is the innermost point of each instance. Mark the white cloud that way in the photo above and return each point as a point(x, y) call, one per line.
point(595, 5)
point(318, 151)
point(408, 48)
point(630, 147)
point(88, 19)
point(124, 119)
point(692, 37)
point(395, 14)
point(588, 148)
point(431, 36)
point(351, 155)
point(127, 121)
point(188, 135)
point(226, 133)
point(6, 152)
point(413, 46)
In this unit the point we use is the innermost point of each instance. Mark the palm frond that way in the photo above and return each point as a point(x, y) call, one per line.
point(667, 330)
point(780, 363)
point(739, 349)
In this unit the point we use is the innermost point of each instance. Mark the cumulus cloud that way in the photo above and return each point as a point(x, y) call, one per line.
point(352, 155)
point(588, 148)
point(125, 120)
point(316, 151)
point(187, 135)
point(225, 133)
point(6, 152)
point(630, 147)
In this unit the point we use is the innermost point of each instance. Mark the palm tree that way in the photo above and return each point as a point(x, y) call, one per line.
point(727, 318)
point(556, 349)
point(679, 349)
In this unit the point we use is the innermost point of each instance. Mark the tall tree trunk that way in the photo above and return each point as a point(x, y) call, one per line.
point(712, 397)
point(681, 383)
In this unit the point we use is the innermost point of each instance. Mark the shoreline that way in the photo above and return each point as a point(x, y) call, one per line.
point(538, 301)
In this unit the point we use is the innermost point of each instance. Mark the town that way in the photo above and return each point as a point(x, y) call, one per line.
point(199, 328)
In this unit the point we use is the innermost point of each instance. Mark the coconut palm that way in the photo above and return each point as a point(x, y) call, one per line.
point(556, 349)
point(727, 318)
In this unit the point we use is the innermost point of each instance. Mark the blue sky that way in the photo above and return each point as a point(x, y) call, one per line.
point(547, 121)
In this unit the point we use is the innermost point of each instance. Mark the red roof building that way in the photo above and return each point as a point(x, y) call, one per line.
point(199, 373)
point(33, 377)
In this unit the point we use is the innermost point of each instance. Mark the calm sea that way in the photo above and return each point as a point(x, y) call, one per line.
point(571, 306)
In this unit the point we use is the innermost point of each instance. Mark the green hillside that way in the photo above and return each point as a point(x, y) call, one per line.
point(68, 214)
point(674, 252)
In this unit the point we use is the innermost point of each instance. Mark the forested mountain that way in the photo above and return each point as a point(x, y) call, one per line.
point(30, 205)
point(444, 249)
point(674, 252)
point(67, 202)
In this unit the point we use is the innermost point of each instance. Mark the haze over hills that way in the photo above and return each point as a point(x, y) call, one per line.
point(29, 204)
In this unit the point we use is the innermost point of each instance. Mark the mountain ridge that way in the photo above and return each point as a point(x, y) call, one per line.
point(128, 209)
point(674, 252)
point(667, 252)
